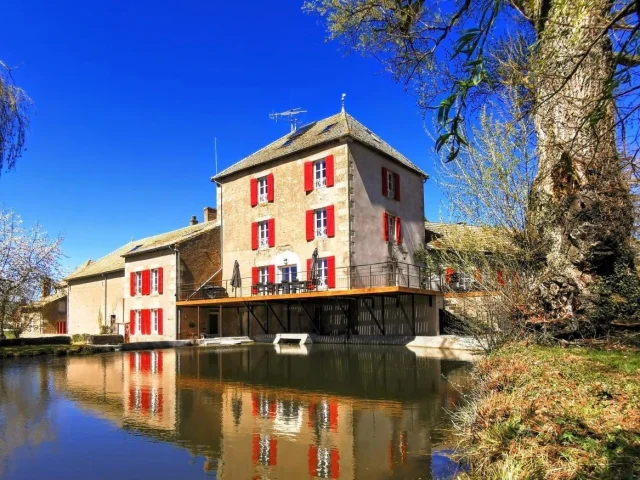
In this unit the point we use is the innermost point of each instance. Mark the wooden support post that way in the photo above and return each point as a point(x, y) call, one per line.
point(250, 310)
point(288, 317)
point(198, 327)
point(413, 312)
point(309, 316)
point(373, 315)
point(382, 312)
point(267, 319)
point(269, 307)
point(406, 317)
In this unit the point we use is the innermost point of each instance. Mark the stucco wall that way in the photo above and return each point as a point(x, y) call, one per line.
point(369, 204)
point(166, 301)
point(288, 209)
point(87, 302)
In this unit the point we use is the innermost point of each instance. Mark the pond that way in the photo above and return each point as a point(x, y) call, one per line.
point(254, 412)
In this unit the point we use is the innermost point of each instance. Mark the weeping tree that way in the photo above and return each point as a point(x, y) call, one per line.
point(14, 119)
point(573, 66)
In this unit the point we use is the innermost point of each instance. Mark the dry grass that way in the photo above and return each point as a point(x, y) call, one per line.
point(554, 413)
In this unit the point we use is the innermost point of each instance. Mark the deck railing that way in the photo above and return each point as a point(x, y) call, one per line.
point(346, 278)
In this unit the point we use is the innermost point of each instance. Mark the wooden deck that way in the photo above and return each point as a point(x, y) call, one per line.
point(232, 301)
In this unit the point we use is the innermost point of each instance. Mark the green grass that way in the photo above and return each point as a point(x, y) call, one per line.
point(37, 350)
point(552, 412)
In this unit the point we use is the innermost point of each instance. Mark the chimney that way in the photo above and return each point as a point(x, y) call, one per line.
point(193, 221)
point(210, 214)
point(46, 286)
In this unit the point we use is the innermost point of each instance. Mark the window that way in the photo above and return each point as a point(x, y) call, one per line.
point(321, 222)
point(154, 280)
point(262, 190)
point(263, 235)
point(154, 320)
point(263, 275)
point(391, 228)
point(323, 272)
point(137, 327)
point(320, 173)
point(289, 273)
point(391, 185)
point(138, 283)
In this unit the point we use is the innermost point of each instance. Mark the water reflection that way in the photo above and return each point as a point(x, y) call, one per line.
point(254, 412)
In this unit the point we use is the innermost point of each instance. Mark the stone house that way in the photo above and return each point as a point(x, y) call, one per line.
point(334, 187)
point(48, 315)
point(132, 290)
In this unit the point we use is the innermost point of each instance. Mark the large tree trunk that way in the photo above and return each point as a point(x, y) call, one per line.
point(583, 204)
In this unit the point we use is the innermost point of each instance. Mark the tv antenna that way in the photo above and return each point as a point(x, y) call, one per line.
point(293, 121)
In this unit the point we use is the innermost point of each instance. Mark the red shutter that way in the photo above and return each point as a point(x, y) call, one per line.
point(398, 231)
point(308, 176)
point(334, 464)
point(270, 187)
point(254, 280)
point(271, 225)
point(273, 452)
point(385, 226)
point(308, 269)
point(159, 363)
point(384, 182)
point(254, 236)
point(147, 314)
point(253, 186)
point(160, 327)
point(160, 280)
point(132, 284)
point(271, 275)
point(331, 221)
point(397, 185)
point(330, 170)
point(331, 272)
point(310, 229)
point(500, 277)
point(132, 321)
point(448, 275)
point(146, 282)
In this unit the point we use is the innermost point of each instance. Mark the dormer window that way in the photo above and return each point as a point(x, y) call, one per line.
point(320, 174)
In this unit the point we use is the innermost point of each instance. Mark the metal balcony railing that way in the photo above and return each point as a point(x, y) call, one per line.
point(346, 278)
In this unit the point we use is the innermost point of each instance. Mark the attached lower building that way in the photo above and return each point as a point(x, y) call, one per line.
point(132, 290)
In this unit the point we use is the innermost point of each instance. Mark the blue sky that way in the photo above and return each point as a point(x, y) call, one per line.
point(130, 95)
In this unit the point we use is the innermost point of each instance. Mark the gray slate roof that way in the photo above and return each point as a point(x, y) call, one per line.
point(114, 261)
point(331, 128)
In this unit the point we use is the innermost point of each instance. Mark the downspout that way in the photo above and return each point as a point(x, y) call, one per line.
point(104, 318)
point(177, 294)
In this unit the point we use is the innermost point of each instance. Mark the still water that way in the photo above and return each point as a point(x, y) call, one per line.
point(256, 412)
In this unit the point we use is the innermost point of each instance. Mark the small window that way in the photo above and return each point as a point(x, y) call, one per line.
point(321, 222)
point(138, 283)
point(391, 185)
point(263, 234)
point(391, 228)
point(154, 280)
point(323, 272)
point(320, 174)
point(154, 320)
point(262, 190)
point(289, 273)
point(263, 275)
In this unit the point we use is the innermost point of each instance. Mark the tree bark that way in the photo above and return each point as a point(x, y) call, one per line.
point(581, 197)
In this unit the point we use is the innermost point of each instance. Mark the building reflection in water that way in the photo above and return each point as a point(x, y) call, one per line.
point(257, 412)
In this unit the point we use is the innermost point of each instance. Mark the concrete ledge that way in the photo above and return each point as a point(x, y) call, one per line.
point(301, 337)
point(154, 345)
point(446, 342)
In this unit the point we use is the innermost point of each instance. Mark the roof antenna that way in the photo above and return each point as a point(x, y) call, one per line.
point(293, 121)
point(215, 152)
point(344, 95)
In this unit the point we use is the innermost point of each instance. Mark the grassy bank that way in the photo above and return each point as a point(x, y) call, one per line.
point(552, 412)
point(37, 350)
